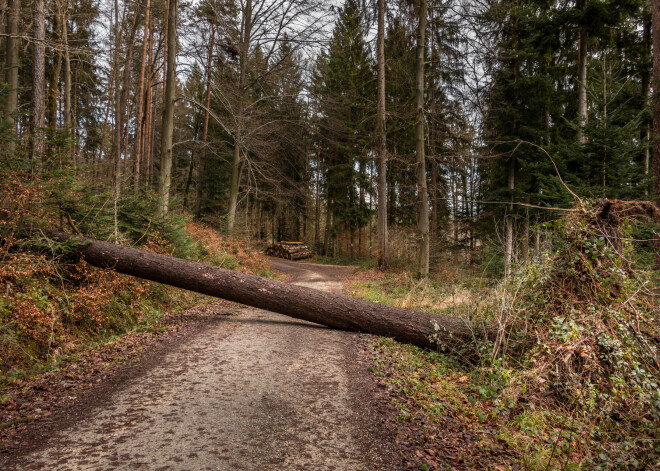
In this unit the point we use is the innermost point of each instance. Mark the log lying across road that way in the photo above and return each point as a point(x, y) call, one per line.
point(332, 310)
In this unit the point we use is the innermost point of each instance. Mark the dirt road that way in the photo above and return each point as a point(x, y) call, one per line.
point(252, 390)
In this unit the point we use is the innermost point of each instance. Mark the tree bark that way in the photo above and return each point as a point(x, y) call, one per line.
point(4, 28)
point(205, 131)
point(165, 178)
point(645, 75)
point(317, 203)
point(140, 98)
point(67, 75)
point(383, 259)
point(656, 99)
point(656, 113)
point(524, 251)
point(124, 104)
point(12, 45)
point(422, 192)
point(582, 80)
point(116, 142)
point(508, 220)
point(146, 146)
point(38, 83)
point(435, 197)
point(244, 51)
point(332, 310)
point(53, 89)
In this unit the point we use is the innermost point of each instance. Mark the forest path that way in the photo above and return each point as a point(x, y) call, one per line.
point(252, 390)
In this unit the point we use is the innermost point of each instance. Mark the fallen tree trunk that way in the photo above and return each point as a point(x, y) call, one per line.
point(332, 310)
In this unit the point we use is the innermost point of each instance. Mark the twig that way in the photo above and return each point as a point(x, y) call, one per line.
point(520, 141)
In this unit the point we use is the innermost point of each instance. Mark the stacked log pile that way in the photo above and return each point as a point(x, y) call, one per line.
point(289, 250)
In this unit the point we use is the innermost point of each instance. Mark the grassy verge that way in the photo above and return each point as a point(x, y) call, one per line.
point(457, 416)
point(574, 382)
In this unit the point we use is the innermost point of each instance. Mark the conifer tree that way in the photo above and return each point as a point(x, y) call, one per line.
point(346, 86)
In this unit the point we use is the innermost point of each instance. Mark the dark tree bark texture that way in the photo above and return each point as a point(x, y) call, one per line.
point(655, 18)
point(656, 99)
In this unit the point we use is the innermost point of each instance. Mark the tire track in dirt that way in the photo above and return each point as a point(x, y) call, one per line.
point(251, 390)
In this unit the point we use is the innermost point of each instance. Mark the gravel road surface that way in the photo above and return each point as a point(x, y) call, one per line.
point(249, 390)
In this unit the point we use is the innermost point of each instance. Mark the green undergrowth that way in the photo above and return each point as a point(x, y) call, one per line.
point(438, 396)
point(433, 389)
point(573, 381)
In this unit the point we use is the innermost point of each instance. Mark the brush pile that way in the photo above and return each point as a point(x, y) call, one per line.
point(585, 321)
point(289, 250)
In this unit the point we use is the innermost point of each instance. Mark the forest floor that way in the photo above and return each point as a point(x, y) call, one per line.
point(238, 388)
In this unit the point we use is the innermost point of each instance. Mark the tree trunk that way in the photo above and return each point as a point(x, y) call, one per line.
point(454, 199)
point(111, 90)
point(317, 209)
point(246, 34)
point(537, 236)
point(205, 132)
point(53, 89)
point(124, 103)
point(435, 195)
point(4, 27)
point(38, 83)
point(647, 65)
point(116, 141)
point(140, 98)
point(582, 80)
point(67, 78)
point(332, 310)
point(12, 44)
point(233, 190)
point(146, 146)
point(656, 114)
point(383, 259)
point(524, 252)
point(508, 220)
point(422, 193)
point(328, 227)
point(165, 177)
